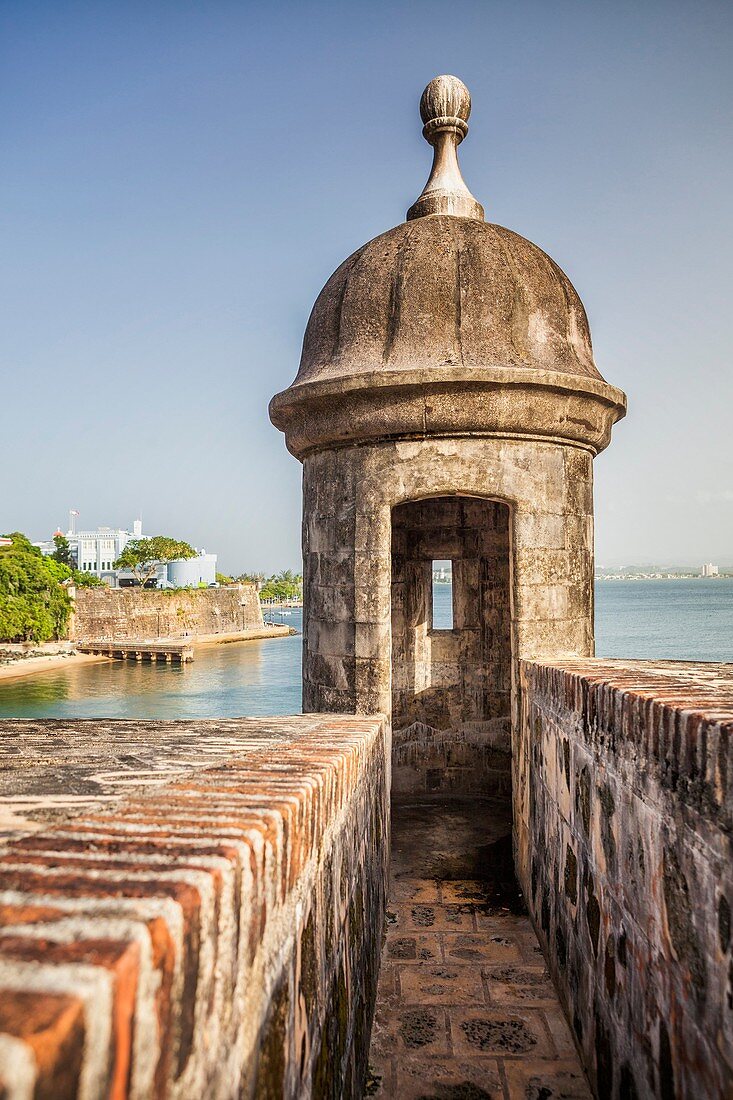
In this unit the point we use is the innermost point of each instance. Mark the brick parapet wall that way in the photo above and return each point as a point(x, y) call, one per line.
point(115, 613)
point(623, 836)
point(215, 935)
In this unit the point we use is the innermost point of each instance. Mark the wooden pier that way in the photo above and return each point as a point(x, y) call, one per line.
point(132, 650)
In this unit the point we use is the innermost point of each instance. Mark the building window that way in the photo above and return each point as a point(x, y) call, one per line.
point(442, 602)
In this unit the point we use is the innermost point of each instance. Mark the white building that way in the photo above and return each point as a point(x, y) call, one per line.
point(97, 551)
point(709, 570)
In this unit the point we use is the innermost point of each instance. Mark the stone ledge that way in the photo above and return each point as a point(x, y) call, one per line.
point(202, 934)
point(670, 719)
point(700, 686)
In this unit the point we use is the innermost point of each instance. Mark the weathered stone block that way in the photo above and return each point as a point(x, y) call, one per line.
point(329, 638)
point(331, 603)
point(543, 530)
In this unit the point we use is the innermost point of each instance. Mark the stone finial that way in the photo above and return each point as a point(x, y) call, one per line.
point(445, 106)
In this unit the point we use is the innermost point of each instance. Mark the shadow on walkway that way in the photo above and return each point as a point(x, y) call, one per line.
point(465, 1006)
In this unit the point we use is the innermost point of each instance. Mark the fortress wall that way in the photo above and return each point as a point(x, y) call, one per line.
point(628, 831)
point(149, 614)
point(215, 934)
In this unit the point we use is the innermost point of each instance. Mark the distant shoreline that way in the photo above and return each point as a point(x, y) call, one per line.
point(650, 577)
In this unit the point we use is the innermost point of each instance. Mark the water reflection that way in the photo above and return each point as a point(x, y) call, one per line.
point(224, 681)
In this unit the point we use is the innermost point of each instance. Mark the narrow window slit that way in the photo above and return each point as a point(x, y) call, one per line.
point(442, 607)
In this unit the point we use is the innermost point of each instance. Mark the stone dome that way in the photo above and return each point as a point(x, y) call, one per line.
point(447, 326)
point(443, 291)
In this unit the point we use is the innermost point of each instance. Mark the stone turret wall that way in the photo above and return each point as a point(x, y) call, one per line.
point(623, 835)
point(148, 614)
point(347, 553)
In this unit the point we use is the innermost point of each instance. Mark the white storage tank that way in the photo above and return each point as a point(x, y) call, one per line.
point(191, 572)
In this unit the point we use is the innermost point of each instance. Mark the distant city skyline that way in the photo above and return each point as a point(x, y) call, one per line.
point(173, 202)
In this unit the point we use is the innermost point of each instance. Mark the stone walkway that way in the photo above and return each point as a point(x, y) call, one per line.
point(465, 1008)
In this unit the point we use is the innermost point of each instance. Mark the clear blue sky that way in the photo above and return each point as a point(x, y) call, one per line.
point(180, 179)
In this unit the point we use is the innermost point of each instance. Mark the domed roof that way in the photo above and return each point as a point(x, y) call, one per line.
point(447, 325)
point(441, 291)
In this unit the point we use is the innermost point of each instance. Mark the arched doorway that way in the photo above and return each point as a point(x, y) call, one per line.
point(451, 681)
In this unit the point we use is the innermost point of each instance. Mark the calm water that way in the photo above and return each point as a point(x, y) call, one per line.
point(224, 681)
point(683, 620)
point(676, 620)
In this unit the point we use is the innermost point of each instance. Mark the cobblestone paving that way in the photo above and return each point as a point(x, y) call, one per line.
point(465, 1008)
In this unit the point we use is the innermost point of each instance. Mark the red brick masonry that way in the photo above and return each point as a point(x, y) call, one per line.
point(195, 909)
point(211, 933)
point(623, 831)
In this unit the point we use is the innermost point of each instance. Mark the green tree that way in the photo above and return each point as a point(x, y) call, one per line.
point(62, 553)
point(257, 579)
point(34, 604)
point(88, 580)
point(283, 586)
point(142, 556)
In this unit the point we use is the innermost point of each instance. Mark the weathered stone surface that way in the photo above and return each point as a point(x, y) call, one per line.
point(548, 556)
point(496, 402)
point(445, 107)
point(214, 932)
point(447, 405)
point(492, 298)
point(623, 822)
point(451, 688)
point(447, 326)
point(149, 614)
point(465, 1003)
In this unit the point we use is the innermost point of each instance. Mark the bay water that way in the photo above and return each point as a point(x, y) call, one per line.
point(673, 620)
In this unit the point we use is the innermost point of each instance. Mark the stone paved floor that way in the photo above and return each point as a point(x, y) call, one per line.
point(465, 1008)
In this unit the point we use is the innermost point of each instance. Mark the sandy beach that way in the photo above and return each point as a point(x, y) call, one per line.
point(36, 665)
point(252, 634)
